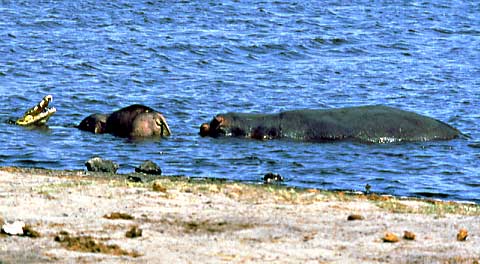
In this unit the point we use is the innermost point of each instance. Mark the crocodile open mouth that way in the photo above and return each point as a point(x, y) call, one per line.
point(39, 114)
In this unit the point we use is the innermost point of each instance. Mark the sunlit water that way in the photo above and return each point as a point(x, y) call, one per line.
point(194, 59)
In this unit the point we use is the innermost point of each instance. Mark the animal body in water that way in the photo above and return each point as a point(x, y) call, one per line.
point(369, 124)
point(131, 121)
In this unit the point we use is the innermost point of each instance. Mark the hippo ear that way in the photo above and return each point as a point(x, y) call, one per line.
point(204, 129)
point(162, 122)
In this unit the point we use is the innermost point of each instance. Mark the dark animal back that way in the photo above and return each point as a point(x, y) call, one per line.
point(120, 122)
point(375, 124)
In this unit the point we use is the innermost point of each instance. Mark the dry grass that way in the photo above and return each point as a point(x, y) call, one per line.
point(438, 208)
point(91, 245)
point(278, 193)
point(118, 215)
point(207, 226)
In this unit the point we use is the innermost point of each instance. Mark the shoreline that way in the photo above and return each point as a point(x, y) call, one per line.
point(217, 221)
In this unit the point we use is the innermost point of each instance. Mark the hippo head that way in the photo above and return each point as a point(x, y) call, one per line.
point(150, 123)
point(39, 114)
point(217, 127)
point(132, 121)
point(94, 123)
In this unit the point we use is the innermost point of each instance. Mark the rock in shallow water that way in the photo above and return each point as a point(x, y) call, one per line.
point(272, 178)
point(98, 164)
point(149, 167)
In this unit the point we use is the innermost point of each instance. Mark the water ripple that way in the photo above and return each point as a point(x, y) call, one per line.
point(194, 59)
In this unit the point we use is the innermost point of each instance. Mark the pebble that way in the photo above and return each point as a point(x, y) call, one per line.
point(390, 238)
point(354, 217)
point(462, 234)
point(408, 235)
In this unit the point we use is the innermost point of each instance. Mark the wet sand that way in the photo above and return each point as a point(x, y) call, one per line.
point(85, 217)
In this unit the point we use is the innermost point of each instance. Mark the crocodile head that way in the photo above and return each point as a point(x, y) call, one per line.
point(37, 115)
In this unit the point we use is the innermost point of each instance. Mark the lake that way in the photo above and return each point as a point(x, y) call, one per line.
point(191, 60)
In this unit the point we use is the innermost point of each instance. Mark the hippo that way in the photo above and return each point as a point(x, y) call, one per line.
point(131, 121)
point(37, 115)
point(367, 124)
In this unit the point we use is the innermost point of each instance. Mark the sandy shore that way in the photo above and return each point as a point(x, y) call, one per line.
point(203, 221)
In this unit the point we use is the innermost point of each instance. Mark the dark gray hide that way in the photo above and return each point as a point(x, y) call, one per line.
point(374, 124)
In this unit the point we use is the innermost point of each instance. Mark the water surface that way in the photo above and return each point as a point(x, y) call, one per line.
point(194, 59)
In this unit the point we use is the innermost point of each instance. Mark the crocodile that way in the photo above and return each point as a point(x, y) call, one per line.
point(37, 115)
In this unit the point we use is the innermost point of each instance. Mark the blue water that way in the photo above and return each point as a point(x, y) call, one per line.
point(194, 59)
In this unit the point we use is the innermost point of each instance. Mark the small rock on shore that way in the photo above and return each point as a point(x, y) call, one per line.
point(149, 167)
point(98, 164)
